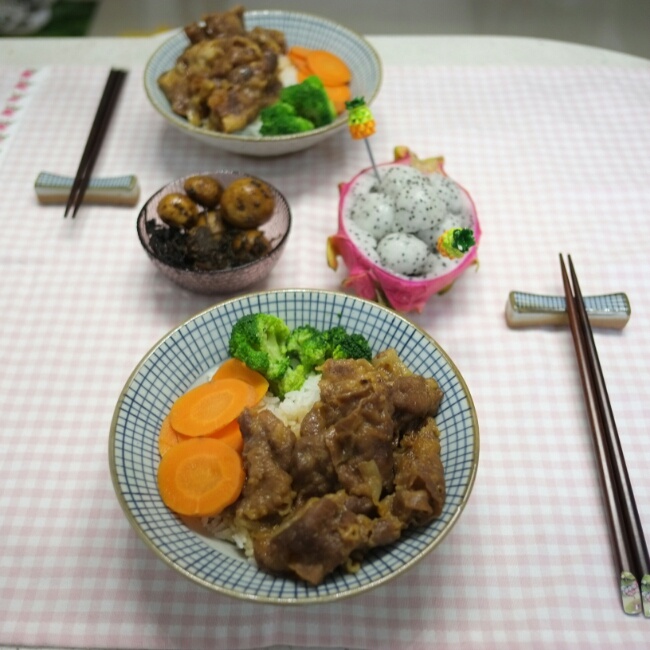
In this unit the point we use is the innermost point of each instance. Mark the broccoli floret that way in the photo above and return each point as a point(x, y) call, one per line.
point(285, 125)
point(259, 340)
point(310, 101)
point(279, 109)
point(293, 379)
point(353, 346)
point(334, 336)
point(308, 346)
point(281, 119)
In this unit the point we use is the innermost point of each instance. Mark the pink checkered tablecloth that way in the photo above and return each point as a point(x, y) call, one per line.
point(556, 159)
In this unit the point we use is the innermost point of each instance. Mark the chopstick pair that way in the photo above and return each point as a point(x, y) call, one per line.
point(625, 525)
point(95, 138)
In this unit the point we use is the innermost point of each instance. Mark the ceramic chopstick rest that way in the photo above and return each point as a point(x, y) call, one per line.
point(530, 310)
point(118, 190)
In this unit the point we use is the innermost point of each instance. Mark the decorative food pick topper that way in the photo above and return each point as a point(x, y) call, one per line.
point(362, 125)
point(455, 242)
point(360, 120)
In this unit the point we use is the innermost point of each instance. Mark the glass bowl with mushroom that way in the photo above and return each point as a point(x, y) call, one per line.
point(215, 232)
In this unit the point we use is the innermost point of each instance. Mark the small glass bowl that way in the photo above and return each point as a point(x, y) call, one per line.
point(229, 280)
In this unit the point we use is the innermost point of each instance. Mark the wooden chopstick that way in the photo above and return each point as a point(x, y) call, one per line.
point(109, 89)
point(95, 138)
point(625, 526)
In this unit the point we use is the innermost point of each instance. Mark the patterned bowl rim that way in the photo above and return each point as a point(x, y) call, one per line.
point(318, 599)
point(338, 123)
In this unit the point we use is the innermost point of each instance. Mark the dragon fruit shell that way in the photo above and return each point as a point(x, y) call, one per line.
point(369, 280)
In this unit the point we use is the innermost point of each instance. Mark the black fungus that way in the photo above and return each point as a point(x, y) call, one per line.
point(200, 249)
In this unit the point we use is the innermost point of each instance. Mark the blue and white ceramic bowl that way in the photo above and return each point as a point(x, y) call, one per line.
point(188, 353)
point(299, 29)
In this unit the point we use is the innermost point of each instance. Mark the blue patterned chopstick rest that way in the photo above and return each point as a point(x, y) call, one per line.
point(528, 310)
point(118, 190)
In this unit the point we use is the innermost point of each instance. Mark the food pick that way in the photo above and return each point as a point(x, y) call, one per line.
point(362, 125)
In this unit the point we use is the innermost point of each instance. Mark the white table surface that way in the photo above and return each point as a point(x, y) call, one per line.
point(394, 50)
point(443, 57)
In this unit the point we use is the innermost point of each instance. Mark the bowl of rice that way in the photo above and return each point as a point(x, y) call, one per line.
point(220, 559)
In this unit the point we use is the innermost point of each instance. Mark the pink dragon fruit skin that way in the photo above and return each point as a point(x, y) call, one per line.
point(367, 279)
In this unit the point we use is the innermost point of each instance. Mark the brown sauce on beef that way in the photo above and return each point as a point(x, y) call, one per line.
point(227, 74)
point(365, 467)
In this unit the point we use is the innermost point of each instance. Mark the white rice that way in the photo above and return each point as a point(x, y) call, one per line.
point(296, 404)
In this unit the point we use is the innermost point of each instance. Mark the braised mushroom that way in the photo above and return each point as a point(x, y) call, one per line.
point(247, 203)
point(204, 190)
point(178, 210)
point(250, 242)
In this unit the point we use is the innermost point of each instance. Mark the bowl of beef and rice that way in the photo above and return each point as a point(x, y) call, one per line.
point(189, 70)
point(357, 456)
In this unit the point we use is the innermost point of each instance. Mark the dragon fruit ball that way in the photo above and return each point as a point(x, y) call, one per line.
point(402, 253)
point(375, 213)
point(417, 207)
point(447, 191)
point(366, 242)
point(396, 178)
point(431, 234)
point(436, 264)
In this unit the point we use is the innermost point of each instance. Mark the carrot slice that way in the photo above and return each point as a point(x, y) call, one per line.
point(230, 435)
point(300, 63)
point(298, 52)
point(211, 406)
point(339, 95)
point(235, 369)
point(332, 70)
point(168, 437)
point(200, 477)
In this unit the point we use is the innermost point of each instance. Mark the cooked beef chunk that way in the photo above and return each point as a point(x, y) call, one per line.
point(416, 396)
point(311, 468)
point(419, 476)
point(226, 75)
point(358, 416)
point(214, 25)
point(390, 365)
point(413, 396)
point(361, 447)
point(269, 39)
point(268, 449)
point(343, 383)
point(314, 540)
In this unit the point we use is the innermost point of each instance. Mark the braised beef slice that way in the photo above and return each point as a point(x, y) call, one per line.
point(226, 75)
point(359, 430)
point(361, 447)
point(343, 382)
point(390, 365)
point(213, 25)
point(315, 540)
point(267, 454)
point(419, 476)
point(349, 483)
point(415, 396)
point(311, 467)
